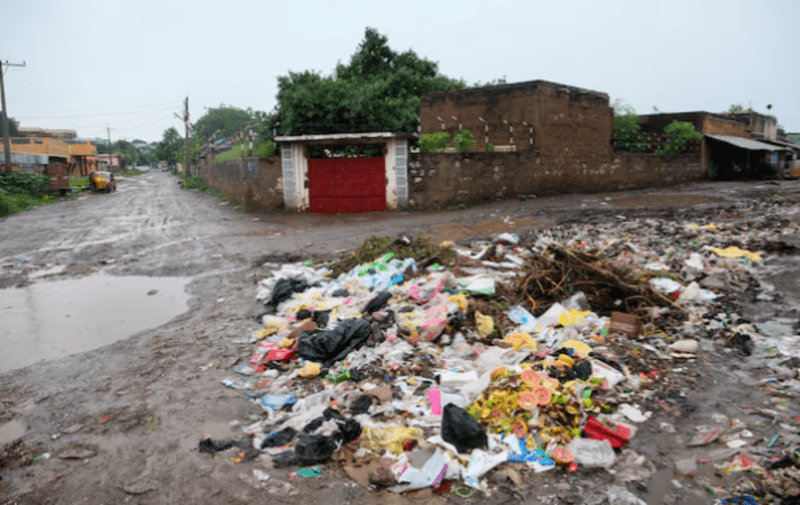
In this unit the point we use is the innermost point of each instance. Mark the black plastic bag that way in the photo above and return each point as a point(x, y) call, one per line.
point(328, 347)
point(341, 292)
point(285, 458)
point(280, 438)
point(315, 449)
point(378, 302)
point(462, 430)
point(362, 405)
point(211, 446)
point(284, 289)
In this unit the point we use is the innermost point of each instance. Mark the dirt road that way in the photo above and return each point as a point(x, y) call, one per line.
point(121, 423)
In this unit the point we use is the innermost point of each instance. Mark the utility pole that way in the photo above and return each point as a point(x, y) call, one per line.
point(4, 117)
point(186, 141)
point(109, 147)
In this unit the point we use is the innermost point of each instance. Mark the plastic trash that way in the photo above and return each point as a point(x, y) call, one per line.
point(462, 430)
point(277, 402)
point(550, 316)
point(420, 469)
point(478, 284)
point(618, 436)
point(285, 288)
point(508, 239)
point(693, 293)
point(577, 301)
point(592, 453)
point(522, 317)
point(484, 324)
point(690, 346)
point(481, 462)
point(310, 369)
point(279, 438)
point(735, 252)
point(607, 373)
point(389, 438)
point(378, 302)
point(664, 285)
point(328, 347)
point(210, 445)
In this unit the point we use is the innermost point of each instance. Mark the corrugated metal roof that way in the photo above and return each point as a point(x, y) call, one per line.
point(25, 158)
point(744, 143)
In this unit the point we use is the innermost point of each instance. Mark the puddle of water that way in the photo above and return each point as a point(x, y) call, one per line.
point(11, 431)
point(49, 320)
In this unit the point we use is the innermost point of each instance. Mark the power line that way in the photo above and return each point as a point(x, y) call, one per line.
point(99, 115)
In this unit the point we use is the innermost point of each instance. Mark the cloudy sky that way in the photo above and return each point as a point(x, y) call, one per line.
point(127, 65)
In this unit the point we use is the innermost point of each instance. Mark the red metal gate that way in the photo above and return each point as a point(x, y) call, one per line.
point(346, 185)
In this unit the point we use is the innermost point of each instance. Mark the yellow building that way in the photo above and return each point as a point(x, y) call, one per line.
point(80, 157)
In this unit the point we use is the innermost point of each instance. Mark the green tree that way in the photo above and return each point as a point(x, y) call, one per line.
point(12, 128)
point(171, 146)
point(378, 89)
point(224, 121)
point(678, 134)
point(736, 108)
point(626, 128)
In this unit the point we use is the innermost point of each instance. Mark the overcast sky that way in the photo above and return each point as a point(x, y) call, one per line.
point(129, 64)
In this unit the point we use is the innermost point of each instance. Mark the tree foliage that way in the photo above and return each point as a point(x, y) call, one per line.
point(736, 108)
point(171, 147)
point(223, 121)
point(378, 89)
point(678, 134)
point(626, 129)
point(12, 127)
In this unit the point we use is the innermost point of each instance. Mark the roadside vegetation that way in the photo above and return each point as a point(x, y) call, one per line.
point(132, 171)
point(20, 192)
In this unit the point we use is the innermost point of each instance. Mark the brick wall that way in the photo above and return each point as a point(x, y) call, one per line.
point(253, 182)
point(439, 180)
point(554, 119)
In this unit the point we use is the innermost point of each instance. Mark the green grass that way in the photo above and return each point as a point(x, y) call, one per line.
point(241, 150)
point(132, 171)
point(13, 203)
point(79, 182)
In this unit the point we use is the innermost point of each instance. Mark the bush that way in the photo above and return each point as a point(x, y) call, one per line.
point(490, 147)
point(678, 133)
point(196, 182)
point(626, 129)
point(266, 148)
point(432, 142)
point(17, 183)
point(464, 140)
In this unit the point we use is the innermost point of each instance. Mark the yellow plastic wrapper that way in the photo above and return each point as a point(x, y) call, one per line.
point(572, 317)
point(286, 342)
point(311, 369)
point(390, 438)
point(735, 252)
point(460, 300)
point(274, 324)
point(520, 340)
point(484, 324)
point(580, 348)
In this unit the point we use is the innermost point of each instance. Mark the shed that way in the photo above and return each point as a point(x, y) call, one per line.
point(733, 156)
point(344, 172)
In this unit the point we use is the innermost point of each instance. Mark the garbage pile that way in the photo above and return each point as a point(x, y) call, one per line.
point(417, 372)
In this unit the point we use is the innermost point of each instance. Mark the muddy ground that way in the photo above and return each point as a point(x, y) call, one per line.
point(121, 423)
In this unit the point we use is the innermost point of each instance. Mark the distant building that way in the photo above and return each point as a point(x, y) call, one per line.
point(56, 133)
point(80, 158)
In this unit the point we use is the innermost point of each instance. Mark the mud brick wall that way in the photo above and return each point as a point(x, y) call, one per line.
point(568, 122)
point(440, 180)
point(252, 182)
